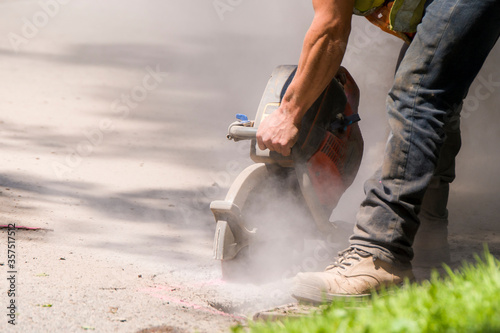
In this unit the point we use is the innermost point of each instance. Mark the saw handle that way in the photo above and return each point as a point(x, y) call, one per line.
point(237, 132)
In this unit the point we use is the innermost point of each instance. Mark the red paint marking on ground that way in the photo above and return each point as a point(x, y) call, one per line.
point(152, 292)
point(172, 287)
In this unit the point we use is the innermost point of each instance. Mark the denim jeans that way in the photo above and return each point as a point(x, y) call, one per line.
point(449, 48)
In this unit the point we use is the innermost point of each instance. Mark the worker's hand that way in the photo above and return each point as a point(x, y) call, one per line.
point(278, 132)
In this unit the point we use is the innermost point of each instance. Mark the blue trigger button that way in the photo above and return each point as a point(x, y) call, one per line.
point(242, 118)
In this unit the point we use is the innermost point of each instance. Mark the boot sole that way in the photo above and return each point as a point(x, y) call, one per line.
point(313, 295)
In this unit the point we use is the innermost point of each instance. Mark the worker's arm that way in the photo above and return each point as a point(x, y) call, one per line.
point(322, 53)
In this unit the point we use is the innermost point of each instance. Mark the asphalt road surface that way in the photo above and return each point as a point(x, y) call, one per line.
point(112, 142)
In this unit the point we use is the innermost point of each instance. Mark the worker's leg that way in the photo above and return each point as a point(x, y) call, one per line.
point(449, 48)
point(430, 246)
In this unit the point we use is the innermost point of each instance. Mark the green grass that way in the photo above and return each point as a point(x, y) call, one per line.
point(464, 301)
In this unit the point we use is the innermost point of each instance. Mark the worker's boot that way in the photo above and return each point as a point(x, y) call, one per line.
point(430, 246)
point(355, 273)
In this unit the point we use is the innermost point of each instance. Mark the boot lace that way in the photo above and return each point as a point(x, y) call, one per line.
point(345, 258)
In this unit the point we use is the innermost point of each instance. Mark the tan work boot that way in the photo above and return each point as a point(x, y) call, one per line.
point(355, 274)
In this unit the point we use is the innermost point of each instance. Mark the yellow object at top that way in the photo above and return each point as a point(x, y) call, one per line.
point(366, 7)
point(405, 14)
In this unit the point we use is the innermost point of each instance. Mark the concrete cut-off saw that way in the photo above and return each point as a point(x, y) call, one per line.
point(275, 202)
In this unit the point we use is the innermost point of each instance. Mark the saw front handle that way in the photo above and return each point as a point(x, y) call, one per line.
point(241, 131)
point(245, 129)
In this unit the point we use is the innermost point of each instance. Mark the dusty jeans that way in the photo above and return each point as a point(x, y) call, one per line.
point(450, 46)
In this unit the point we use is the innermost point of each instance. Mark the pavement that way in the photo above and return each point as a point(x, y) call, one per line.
point(112, 137)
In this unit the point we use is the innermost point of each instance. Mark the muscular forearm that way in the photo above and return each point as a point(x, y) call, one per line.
point(322, 52)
